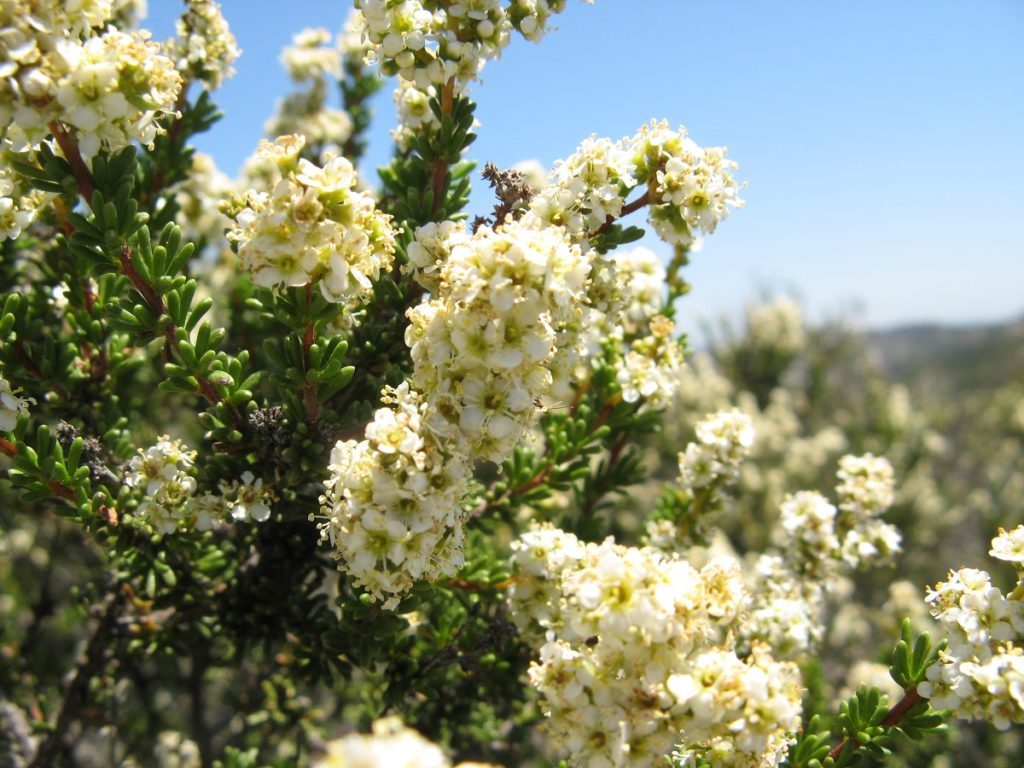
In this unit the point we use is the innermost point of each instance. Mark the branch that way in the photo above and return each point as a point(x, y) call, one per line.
point(439, 173)
point(69, 147)
point(158, 308)
point(910, 698)
point(627, 209)
point(88, 666)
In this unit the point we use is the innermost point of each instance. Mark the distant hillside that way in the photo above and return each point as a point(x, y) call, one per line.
point(951, 360)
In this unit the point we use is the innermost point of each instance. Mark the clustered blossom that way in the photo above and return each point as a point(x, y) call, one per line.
point(312, 227)
point(587, 187)
point(865, 491)
point(19, 204)
point(637, 656)
point(706, 468)
point(11, 406)
point(306, 113)
point(689, 189)
point(392, 503)
point(817, 543)
point(414, 116)
point(311, 56)
point(205, 47)
point(625, 305)
point(108, 88)
point(390, 744)
point(435, 41)
point(481, 347)
point(163, 473)
point(723, 440)
point(980, 675)
point(651, 365)
point(787, 610)
point(818, 535)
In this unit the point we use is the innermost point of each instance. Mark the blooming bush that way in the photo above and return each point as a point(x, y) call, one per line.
point(297, 471)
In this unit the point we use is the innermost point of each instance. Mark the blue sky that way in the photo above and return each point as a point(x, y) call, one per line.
point(881, 141)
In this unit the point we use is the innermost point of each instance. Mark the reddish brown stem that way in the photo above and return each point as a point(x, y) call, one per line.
point(69, 147)
point(62, 216)
point(627, 209)
point(63, 491)
point(477, 586)
point(127, 258)
point(439, 173)
point(540, 477)
point(910, 698)
point(157, 307)
point(7, 447)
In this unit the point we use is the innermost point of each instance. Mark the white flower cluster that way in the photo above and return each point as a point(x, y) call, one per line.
point(651, 366)
point(587, 187)
point(11, 406)
point(163, 473)
point(480, 347)
point(817, 542)
point(724, 439)
point(787, 611)
point(648, 359)
point(391, 744)
point(306, 113)
point(865, 491)
point(707, 466)
point(392, 503)
point(435, 41)
point(311, 56)
point(638, 659)
point(980, 675)
point(312, 227)
point(19, 204)
point(818, 535)
point(205, 47)
point(414, 116)
point(109, 88)
point(531, 17)
point(689, 188)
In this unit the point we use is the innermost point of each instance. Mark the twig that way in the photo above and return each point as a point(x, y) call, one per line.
point(910, 698)
point(627, 209)
point(439, 173)
point(86, 668)
point(157, 307)
point(69, 147)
